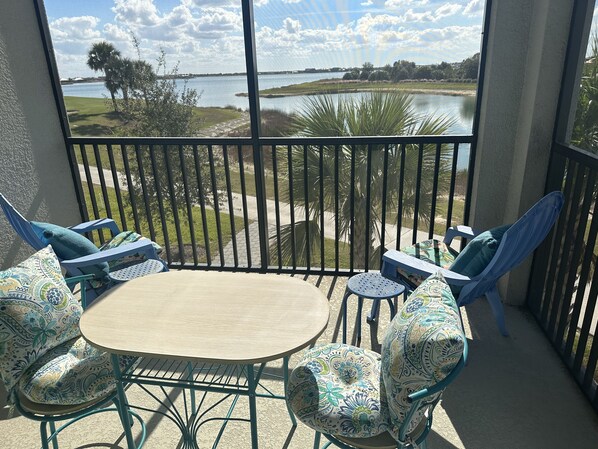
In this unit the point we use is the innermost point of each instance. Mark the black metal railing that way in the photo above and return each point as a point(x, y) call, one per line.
point(564, 283)
point(324, 205)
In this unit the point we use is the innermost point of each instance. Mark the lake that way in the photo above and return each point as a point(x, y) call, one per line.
point(220, 91)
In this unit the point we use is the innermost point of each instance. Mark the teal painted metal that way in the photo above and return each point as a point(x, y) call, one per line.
point(122, 402)
point(154, 376)
point(285, 369)
point(72, 418)
point(415, 399)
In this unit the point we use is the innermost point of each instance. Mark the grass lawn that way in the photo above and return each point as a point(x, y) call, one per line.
point(197, 220)
point(335, 87)
point(96, 117)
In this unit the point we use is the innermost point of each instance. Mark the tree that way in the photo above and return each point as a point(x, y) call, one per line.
point(585, 127)
point(379, 114)
point(469, 67)
point(378, 75)
point(367, 68)
point(103, 56)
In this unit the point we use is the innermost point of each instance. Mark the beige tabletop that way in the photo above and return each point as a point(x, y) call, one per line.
point(207, 316)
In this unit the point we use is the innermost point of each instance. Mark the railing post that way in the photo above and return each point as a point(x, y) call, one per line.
point(254, 114)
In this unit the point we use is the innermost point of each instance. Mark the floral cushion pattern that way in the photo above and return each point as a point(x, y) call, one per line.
point(433, 251)
point(71, 373)
point(424, 342)
point(37, 313)
point(336, 389)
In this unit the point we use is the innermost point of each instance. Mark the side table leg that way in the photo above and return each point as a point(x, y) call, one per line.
point(374, 311)
point(358, 326)
point(344, 307)
point(285, 368)
point(122, 402)
point(251, 383)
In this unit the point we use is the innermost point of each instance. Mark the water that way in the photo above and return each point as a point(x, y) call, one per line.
point(220, 91)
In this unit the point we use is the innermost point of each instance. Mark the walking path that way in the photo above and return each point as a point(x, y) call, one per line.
point(224, 128)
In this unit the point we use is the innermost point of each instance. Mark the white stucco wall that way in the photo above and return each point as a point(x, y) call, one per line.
point(34, 170)
point(526, 51)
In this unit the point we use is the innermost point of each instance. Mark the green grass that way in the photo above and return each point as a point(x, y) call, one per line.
point(197, 220)
point(335, 87)
point(96, 117)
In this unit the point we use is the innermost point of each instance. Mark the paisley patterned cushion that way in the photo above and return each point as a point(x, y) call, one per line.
point(120, 239)
point(71, 373)
point(336, 389)
point(423, 344)
point(433, 251)
point(37, 313)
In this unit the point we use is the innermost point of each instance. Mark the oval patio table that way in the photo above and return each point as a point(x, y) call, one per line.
point(208, 322)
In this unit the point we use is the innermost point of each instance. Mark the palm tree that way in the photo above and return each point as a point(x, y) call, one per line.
point(103, 56)
point(374, 114)
point(585, 128)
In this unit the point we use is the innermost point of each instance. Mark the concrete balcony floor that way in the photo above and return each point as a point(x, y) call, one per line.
point(514, 393)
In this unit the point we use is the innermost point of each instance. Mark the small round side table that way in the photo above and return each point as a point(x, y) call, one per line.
point(372, 286)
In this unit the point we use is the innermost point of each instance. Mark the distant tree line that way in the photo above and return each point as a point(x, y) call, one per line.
point(466, 70)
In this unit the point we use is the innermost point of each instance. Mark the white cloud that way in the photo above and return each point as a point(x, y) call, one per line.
point(474, 8)
point(448, 9)
point(291, 1)
point(367, 3)
point(259, 3)
point(75, 28)
point(398, 4)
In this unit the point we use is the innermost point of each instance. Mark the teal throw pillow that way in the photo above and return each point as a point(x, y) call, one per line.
point(478, 253)
point(68, 244)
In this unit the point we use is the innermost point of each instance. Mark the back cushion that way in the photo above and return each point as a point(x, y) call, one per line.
point(68, 244)
point(37, 313)
point(423, 344)
point(478, 253)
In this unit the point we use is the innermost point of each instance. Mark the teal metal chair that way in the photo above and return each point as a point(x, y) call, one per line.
point(359, 399)
point(484, 265)
point(51, 374)
point(144, 251)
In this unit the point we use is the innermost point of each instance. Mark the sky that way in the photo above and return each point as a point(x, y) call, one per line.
point(206, 36)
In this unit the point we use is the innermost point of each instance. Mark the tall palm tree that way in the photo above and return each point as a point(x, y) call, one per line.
point(374, 114)
point(103, 56)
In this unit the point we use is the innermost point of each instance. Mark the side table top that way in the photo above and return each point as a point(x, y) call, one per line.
point(207, 316)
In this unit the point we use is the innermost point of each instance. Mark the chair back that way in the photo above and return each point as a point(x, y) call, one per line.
point(523, 237)
point(20, 224)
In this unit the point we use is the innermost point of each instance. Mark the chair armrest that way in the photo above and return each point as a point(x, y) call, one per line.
point(395, 259)
point(140, 247)
point(459, 231)
point(92, 225)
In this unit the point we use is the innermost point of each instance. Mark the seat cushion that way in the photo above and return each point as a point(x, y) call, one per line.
point(71, 373)
point(68, 244)
point(478, 253)
point(422, 345)
point(124, 238)
point(37, 313)
point(432, 251)
point(335, 389)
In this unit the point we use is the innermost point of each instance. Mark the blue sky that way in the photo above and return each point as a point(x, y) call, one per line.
point(206, 36)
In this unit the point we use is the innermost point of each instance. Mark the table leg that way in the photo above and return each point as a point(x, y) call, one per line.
point(251, 383)
point(122, 402)
point(191, 390)
point(285, 367)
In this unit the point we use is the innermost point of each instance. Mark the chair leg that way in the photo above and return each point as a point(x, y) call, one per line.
point(55, 438)
point(497, 309)
point(43, 431)
point(317, 440)
point(344, 310)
